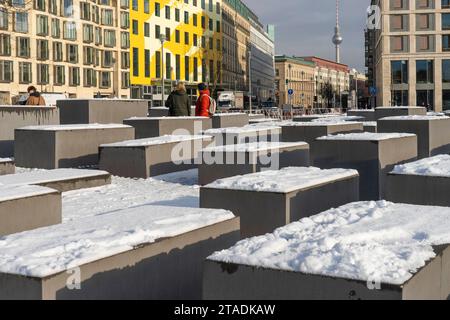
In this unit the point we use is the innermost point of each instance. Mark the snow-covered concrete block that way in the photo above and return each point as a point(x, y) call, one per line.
point(229, 120)
point(433, 133)
point(383, 112)
point(367, 114)
point(246, 134)
point(64, 146)
point(370, 126)
point(364, 250)
point(309, 118)
point(28, 207)
point(83, 111)
point(7, 166)
point(146, 252)
point(13, 117)
point(372, 154)
point(270, 199)
point(238, 159)
point(59, 179)
point(425, 182)
point(150, 157)
point(310, 131)
point(161, 126)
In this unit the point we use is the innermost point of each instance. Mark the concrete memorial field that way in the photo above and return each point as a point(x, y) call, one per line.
point(362, 250)
point(367, 114)
point(372, 154)
point(425, 182)
point(433, 132)
point(65, 146)
point(237, 159)
point(227, 120)
point(270, 199)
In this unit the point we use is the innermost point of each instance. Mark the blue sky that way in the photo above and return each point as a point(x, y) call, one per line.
point(305, 27)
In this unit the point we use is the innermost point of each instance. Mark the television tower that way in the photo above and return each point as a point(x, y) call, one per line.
point(337, 38)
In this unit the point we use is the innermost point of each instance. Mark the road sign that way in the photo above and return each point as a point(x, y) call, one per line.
point(373, 91)
point(290, 92)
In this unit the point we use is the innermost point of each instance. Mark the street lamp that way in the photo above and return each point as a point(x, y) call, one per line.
point(356, 89)
point(162, 38)
point(289, 83)
point(250, 78)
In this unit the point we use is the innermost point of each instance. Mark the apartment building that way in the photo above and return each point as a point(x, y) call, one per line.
point(408, 57)
point(333, 73)
point(262, 62)
point(297, 74)
point(79, 48)
point(174, 40)
point(236, 40)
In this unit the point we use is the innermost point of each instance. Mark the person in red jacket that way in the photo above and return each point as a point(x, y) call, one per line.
point(203, 101)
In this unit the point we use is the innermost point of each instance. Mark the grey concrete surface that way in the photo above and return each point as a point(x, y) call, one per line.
point(228, 120)
point(383, 112)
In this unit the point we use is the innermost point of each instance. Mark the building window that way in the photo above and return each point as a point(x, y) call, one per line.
point(42, 73)
point(399, 4)
point(125, 60)
point(53, 6)
point(67, 9)
point(56, 30)
point(400, 97)
point(72, 53)
point(4, 21)
point(425, 98)
point(446, 21)
point(5, 45)
point(425, 43)
point(85, 9)
point(88, 33)
point(42, 49)
point(158, 64)
point(168, 64)
point(110, 38)
point(107, 17)
point(146, 29)
point(147, 6)
point(74, 76)
point(446, 42)
point(177, 67)
point(57, 51)
point(147, 63)
point(125, 4)
point(186, 68)
point(399, 72)
point(167, 12)
point(70, 30)
point(135, 5)
point(21, 22)
point(399, 43)
point(6, 71)
point(124, 40)
point(135, 27)
point(124, 20)
point(59, 76)
point(98, 35)
point(23, 47)
point(425, 71)
point(135, 62)
point(25, 72)
point(105, 79)
point(445, 4)
point(157, 9)
point(125, 80)
point(446, 71)
point(41, 25)
point(89, 77)
point(446, 99)
point(107, 59)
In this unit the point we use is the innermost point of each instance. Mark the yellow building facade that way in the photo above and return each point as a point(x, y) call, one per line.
point(191, 50)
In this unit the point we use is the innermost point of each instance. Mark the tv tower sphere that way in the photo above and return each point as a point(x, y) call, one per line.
point(337, 38)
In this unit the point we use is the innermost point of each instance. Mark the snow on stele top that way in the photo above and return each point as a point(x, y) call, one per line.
point(8, 192)
point(50, 250)
point(366, 136)
point(283, 181)
point(254, 146)
point(43, 176)
point(2, 160)
point(240, 130)
point(418, 117)
point(64, 127)
point(437, 166)
point(377, 241)
point(156, 141)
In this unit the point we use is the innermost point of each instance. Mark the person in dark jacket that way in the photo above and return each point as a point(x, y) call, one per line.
point(34, 98)
point(203, 102)
point(178, 102)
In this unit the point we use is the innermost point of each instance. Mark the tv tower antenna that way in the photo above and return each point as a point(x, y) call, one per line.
point(337, 38)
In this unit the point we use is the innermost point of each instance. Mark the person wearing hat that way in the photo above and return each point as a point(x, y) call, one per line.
point(34, 98)
point(203, 101)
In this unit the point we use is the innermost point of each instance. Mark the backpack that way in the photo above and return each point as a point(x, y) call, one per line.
point(212, 105)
